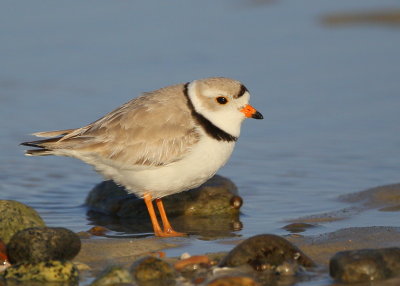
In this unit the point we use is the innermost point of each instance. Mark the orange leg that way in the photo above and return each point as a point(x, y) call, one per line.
point(167, 226)
point(168, 231)
point(149, 204)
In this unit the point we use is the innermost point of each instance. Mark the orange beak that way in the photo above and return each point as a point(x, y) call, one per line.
point(250, 111)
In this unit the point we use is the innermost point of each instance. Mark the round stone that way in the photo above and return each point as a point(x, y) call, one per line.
point(151, 268)
point(16, 216)
point(38, 244)
point(266, 252)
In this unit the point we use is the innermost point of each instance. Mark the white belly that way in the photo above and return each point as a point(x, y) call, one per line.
point(198, 166)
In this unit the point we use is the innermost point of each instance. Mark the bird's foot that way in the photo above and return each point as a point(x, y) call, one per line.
point(169, 233)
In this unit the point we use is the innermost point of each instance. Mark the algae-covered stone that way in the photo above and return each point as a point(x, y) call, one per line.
point(37, 244)
point(113, 275)
point(268, 252)
point(16, 216)
point(153, 269)
point(365, 265)
point(50, 271)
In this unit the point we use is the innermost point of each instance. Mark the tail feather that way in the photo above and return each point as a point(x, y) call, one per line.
point(40, 143)
point(53, 133)
point(45, 146)
point(38, 152)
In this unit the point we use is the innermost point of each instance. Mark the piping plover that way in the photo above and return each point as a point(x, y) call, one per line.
point(161, 143)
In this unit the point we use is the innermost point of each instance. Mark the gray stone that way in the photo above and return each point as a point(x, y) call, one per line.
point(365, 265)
point(16, 216)
point(267, 252)
point(38, 244)
point(49, 271)
point(113, 275)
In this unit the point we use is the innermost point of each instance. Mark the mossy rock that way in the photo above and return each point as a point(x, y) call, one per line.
point(16, 216)
point(49, 271)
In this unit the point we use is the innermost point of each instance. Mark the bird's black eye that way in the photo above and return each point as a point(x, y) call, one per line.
point(222, 100)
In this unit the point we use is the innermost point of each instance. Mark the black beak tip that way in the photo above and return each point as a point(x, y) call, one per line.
point(257, 115)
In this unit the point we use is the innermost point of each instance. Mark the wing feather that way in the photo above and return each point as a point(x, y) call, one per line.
point(154, 129)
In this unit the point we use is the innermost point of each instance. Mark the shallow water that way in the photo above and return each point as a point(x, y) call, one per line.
point(329, 96)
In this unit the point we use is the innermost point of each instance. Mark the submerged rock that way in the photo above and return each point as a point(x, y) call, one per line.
point(365, 265)
point(153, 271)
point(49, 271)
point(38, 244)
point(113, 275)
point(384, 17)
point(297, 227)
point(386, 197)
point(215, 197)
point(267, 252)
point(16, 216)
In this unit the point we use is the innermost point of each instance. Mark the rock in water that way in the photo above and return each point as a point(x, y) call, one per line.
point(217, 196)
point(365, 265)
point(38, 244)
point(267, 252)
point(49, 271)
point(16, 216)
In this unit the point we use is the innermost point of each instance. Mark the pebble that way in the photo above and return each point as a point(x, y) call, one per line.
point(16, 216)
point(365, 265)
point(98, 231)
point(49, 271)
point(38, 244)
point(233, 281)
point(192, 262)
point(267, 252)
point(113, 275)
point(153, 271)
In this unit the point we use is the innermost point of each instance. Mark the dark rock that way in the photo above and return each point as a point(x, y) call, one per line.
point(38, 244)
point(153, 271)
point(113, 275)
point(298, 227)
point(365, 265)
point(233, 281)
point(215, 197)
point(49, 271)
point(267, 252)
point(16, 216)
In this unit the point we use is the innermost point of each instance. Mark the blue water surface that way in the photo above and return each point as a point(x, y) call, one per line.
point(330, 96)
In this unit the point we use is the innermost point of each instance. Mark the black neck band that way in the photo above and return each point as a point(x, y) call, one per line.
point(212, 130)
